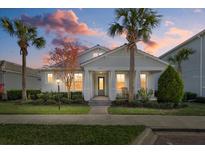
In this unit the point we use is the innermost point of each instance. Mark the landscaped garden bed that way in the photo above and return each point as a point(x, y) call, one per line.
point(68, 134)
point(193, 109)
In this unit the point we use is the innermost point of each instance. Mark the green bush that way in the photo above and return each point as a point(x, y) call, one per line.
point(120, 102)
point(38, 102)
point(17, 94)
point(50, 102)
point(189, 96)
point(65, 100)
point(170, 86)
point(76, 95)
point(145, 95)
point(200, 99)
point(33, 94)
point(14, 94)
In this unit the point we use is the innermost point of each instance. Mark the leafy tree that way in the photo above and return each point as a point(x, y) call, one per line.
point(170, 86)
point(26, 36)
point(137, 25)
point(65, 61)
point(181, 56)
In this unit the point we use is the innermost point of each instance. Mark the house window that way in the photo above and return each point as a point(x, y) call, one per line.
point(120, 82)
point(96, 54)
point(78, 82)
point(50, 78)
point(143, 81)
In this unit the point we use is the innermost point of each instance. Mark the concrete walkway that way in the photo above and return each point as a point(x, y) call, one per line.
point(154, 121)
point(98, 110)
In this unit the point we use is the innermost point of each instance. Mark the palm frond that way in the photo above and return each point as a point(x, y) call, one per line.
point(7, 25)
point(115, 29)
point(39, 42)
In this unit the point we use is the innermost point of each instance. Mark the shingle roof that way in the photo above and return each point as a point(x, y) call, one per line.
point(13, 67)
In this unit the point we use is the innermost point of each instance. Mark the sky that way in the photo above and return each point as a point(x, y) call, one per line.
point(89, 27)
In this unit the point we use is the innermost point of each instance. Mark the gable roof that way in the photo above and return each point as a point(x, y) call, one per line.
point(183, 43)
point(92, 48)
point(117, 49)
point(6, 66)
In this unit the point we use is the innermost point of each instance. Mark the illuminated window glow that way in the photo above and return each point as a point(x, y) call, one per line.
point(143, 81)
point(78, 82)
point(120, 82)
point(50, 78)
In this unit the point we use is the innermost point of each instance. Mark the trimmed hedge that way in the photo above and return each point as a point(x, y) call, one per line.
point(170, 86)
point(200, 100)
point(17, 94)
point(150, 104)
point(189, 96)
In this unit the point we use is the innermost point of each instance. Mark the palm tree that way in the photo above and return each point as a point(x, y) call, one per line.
point(26, 36)
point(137, 25)
point(181, 56)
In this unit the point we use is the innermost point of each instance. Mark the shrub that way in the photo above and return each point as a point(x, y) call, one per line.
point(14, 94)
point(145, 95)
point(65, 100)
point(120, 102)
point(50, 102)
point(77, 95)
point(200, 99)
point(77, 101)
point(38, 102)
point(189, 96)
point(170, 86)
point(17, 94)
point(33, 94)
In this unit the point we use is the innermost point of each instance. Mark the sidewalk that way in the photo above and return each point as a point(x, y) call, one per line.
point(154, 121)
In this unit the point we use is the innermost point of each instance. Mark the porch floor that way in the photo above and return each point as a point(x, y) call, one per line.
point(100, 98)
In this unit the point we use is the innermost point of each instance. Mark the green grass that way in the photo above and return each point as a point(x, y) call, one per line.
point(14, 108)
point(194, 109)
point(67, 134)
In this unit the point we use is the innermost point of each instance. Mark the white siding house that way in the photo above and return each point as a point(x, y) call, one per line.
point(193, 69)
point(11, 78)
point(105, 72)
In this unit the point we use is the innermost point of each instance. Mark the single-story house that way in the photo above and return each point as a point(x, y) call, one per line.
point(105, 72)
point(10, 77)
point(193, 69)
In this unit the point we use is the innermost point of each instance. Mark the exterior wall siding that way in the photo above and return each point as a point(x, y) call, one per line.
point(13, 81)
point(191, 67)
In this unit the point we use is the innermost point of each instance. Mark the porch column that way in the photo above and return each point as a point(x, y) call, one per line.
point(112, 85)
point(86, 87)
point(137, 81)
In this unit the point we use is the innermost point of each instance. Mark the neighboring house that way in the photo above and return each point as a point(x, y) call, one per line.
point(193, 70)
point(10, 76)
point(105, 72)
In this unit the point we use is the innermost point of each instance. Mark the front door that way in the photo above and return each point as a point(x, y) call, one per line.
point(101, 86)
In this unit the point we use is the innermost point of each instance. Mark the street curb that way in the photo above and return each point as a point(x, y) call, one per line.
point(147, 137)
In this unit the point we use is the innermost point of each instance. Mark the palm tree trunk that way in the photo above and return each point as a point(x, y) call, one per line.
point(179, 69)
point(24, 96)
point(132, 73)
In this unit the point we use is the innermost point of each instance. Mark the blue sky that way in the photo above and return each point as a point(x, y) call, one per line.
point(89, 27)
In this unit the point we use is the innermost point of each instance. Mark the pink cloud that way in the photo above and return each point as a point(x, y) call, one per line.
point(170, 39)
point(60, 41)
point(60, 22)
point(178, 32)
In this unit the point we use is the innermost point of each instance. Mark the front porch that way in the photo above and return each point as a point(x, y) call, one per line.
point(106, 85)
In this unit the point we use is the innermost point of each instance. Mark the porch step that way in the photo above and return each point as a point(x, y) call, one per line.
point(99, 103)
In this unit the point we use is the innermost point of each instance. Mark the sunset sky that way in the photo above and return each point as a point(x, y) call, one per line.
point(89, 27)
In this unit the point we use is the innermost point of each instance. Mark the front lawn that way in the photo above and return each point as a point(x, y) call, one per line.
point(194, 109)
point(15, 108)
point(68, 134)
